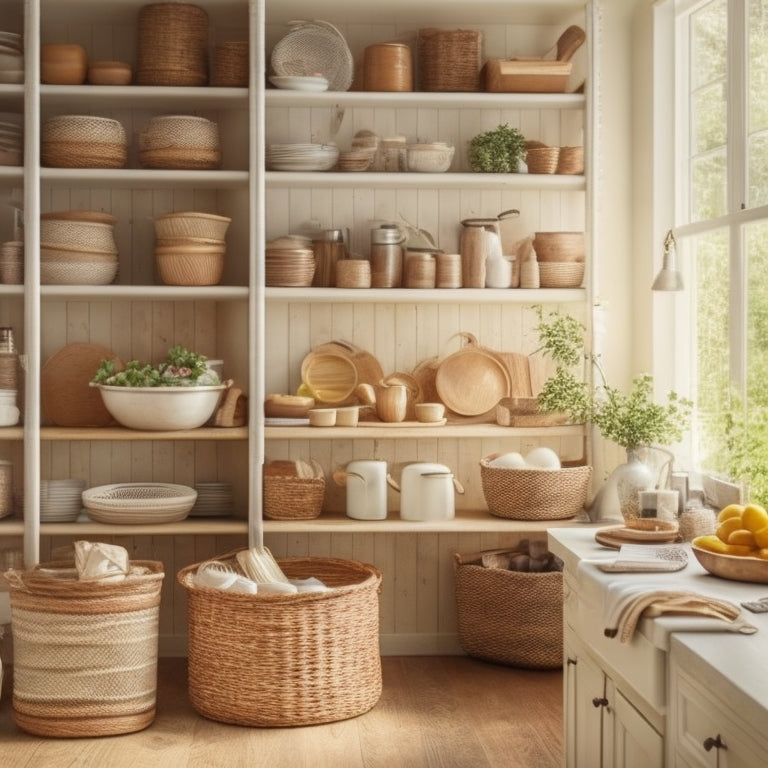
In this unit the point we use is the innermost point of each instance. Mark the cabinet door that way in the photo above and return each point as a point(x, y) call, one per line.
point(705, 732)
point(585, 702)
point(635, 743)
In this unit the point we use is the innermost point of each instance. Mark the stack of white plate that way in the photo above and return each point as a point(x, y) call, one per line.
point(11, 138)
point(213, 500)
point(302, 157)
point(11, 57)
point(61, 500)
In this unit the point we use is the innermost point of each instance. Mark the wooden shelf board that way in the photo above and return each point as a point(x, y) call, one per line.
point(121, 433)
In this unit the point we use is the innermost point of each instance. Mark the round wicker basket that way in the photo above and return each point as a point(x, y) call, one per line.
point(571, 160)
point(192, 224)
point(186, 268)
point(569, 274)
point(77, 272)
point(69, 233)
point(230, 64)
point(181, 159)
point(179, 132)
point(534, 494)
point(83, 129)
point(72, 154)
point(542, 159)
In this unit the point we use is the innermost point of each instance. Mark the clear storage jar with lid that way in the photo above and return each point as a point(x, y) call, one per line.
point(387, 256)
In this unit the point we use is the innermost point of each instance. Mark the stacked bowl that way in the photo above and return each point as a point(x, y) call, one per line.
point(11, 57)
point(190, 247)
point(61, 501)
point(289, 262)
point(83, 141)
point(11, 139)
point(561, 258)
point(180, 142)
point(77, 248)
point(302, 157)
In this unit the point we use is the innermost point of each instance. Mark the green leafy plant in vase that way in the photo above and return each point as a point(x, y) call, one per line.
point(498, 151)
point(631, 419)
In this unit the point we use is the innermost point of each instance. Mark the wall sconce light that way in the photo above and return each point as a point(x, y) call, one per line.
point(669, 277)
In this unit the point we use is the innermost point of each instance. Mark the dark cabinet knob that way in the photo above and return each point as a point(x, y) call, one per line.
point(717, 742)
point(600, 701)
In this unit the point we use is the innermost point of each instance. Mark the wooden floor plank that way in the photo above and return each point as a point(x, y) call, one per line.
point(434, 712)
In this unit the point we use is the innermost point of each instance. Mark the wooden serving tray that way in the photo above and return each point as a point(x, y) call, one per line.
point(526, 75)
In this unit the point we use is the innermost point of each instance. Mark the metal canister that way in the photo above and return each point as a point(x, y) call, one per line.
point(329, 247)
point(387, 256)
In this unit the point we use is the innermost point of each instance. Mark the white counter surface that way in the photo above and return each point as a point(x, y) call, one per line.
point(735, 665)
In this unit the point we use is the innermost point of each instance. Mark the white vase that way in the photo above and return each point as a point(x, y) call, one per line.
point(619, 498)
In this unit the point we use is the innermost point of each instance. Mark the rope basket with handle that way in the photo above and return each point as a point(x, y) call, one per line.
point(509, 617)
point(286, 659)
point(85, 652)
point(534, 494)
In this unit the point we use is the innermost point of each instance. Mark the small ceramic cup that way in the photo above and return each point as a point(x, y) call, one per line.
point(348, 416)
point(322, 417)
point(429, 412)
point(391, 402)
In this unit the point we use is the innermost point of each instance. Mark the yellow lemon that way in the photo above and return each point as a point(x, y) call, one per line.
point(711, 543)
point(762, 553)
point(742, 536)
point(738, 549)
point(754, 517)
point(727, 527)
point(761, 537)
point(732, 510)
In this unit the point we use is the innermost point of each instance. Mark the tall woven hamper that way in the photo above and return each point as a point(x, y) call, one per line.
point(85, 652)
point(286, 659)
point(509, 617)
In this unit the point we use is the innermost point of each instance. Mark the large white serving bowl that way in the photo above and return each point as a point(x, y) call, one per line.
point(161, 408)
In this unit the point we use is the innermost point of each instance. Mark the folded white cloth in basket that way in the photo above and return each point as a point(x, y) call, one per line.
point(101, 562)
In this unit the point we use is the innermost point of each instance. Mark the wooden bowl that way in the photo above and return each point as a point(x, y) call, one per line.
point(63, 64)
point(732, 567)
point(109, 73)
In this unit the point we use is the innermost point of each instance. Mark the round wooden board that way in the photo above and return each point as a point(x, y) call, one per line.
point(67, 399)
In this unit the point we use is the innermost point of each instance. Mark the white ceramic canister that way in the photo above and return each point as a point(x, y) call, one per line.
point(427, 492)
point(366, 483)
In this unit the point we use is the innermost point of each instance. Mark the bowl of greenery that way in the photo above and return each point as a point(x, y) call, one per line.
point(182, 392)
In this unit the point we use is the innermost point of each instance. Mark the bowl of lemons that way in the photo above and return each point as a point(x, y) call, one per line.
point(738, 549)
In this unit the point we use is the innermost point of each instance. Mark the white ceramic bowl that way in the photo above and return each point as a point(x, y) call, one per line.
point(161, 408)
point(429, 158)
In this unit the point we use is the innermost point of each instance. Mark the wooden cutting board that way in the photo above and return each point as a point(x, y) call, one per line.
point(66, 398)
point(519, 373)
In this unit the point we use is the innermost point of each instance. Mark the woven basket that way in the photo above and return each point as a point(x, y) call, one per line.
point(9, 370)
point(184, 159)
point(179, 132)
point(509, 617)
point(77, 272)
point(172, 45)
point(542, 159)
point(571, 160)
point(450, 60)
point(85, 652)
point(83, 129)
point(561, 274)
point(192, 224)
point(294, 498)
point(90, 235)
point(286, 660)
point(70, 154)
point(534, 494)
point(183, 268)
point(6, 488)
point(230, 65)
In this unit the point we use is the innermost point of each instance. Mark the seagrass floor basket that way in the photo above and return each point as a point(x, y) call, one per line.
point(85, 652)
point(287, 659)
point(509, 617)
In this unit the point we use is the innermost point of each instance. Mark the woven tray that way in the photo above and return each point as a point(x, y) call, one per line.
point(534, 494)
point(286, 660)
point(85, 652)
point(139, 502)
point(509, 617)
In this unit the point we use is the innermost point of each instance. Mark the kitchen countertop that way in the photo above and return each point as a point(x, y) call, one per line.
point(732, 664)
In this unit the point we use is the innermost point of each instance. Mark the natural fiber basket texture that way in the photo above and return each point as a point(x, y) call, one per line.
point(293, 498)
point(450, 60)
point(230, 64)
point(571, 160)
point(80, 154)
point(173, 45)
point(192, 224)
point(182, 268)
point(542, 159)
point(509, 617)
point(285, 660)
point(553, 274)
point(85, 653)
point(534, 494)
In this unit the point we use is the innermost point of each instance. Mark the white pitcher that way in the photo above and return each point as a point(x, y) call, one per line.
point(366, 484)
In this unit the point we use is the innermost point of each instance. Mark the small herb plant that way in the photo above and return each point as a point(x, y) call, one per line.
point(181, 368)
point(497, 151)
point(630, 420)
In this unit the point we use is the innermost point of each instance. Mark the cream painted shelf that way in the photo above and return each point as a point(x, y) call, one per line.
point(130, 178)
point(120, 433)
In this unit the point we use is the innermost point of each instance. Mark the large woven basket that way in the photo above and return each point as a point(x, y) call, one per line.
point(450, 60)
point(85, 652)
point(509, 617)
point(534, 494)
point(285, 660)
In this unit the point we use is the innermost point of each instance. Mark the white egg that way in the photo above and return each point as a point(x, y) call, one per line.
point(542, 458)
point(508, 460)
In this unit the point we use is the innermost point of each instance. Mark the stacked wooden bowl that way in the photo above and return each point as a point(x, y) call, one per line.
point(172, 45)
point(180, 142)
point(77, 248)
point(190, 248)
point(289, 262)
point(83, 141)
point(561, 258)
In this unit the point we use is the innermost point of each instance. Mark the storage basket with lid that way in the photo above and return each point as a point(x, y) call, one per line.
point(85, 652)
point(449, 59)
point(286, 659)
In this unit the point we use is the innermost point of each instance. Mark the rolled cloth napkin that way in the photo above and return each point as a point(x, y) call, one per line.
point(630, 605)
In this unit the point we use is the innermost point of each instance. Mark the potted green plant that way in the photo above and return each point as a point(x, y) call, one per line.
point(497, 151)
